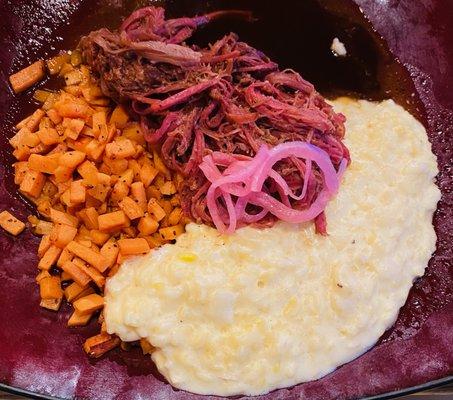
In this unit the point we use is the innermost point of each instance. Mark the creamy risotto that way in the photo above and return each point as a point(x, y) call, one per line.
point(264, 309)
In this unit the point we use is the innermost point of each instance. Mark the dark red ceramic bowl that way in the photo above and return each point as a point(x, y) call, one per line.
point(39, 354)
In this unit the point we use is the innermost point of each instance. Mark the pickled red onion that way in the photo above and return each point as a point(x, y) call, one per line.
point(242, 182)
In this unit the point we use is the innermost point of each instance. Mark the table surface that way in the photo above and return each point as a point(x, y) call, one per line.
point(441, 393)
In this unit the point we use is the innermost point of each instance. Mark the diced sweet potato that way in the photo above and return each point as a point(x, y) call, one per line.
point(99, 192)
point(43, 164)
point(120, 149)
point(77, 192)
point(44, 245)
point(147, 174)
point(61, 235)
point(28, 76)
point(75, 291)
point(32, 183)
point(50, 288)
point(175, 216)
point(99, 237)
point(88, 172)
point(51, 304)
point(148, 225)
point(20, 169)
point(77, 319)
point(65, 255)
point(78, 276)
point(49, 258)
point(10, 223)
point(110, 252)
point(138, 193)
point(120, 190)
point(59, 217)
point(94, 274)
point(88, 255)
point(168, 188)
point(42, 227)
point(133, 246)
point(155, 209)
point(72, 109)
point(49, 136)
point(171, 232)
point(55, 64)
point(119, 117)
point(89, 217)
point(98, 345)
point(131, 208)
point(34, 120)
point(95, 149)
point(74, 127)
point(88, 304)
point(112, 221)
point(72, 159)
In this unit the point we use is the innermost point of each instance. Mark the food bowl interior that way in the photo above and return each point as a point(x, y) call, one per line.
point(400, 50)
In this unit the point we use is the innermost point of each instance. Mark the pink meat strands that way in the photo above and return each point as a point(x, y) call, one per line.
point(255, 144)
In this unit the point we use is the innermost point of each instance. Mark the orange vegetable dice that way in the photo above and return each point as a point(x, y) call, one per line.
point(61, 235)
point(148, 225)
point(60, 217)
point(49, 258)
point(71, 159)
point(87, 254)
point(155, 209)
point(43, 164)
point(89, 304)
point(50, 288)
point(10, 223)
point(78, 276)
point(77, 192)
point(112, 221)
point(119, 117)
point(32, 183)
point(133, 246)
point(131, 208)
point(49, 136)
point(120, 149)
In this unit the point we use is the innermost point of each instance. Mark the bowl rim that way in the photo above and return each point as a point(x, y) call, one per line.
point(389, 395)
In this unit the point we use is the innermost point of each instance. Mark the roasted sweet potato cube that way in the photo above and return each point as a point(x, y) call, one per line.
point(112, 221)
point(98, 345)
point(77, 192)
point(49, 258)
point(10, 223)
point(133, 246)
point(59, 217)
point(49, 136)
point(148, 225)
point(61, 235)
point(110, 252)
point(32, 183)
point(155, 209)
point(87, 254)
point(28, 76)
point(89, 304)
point(131, 208)
point(77, 319)
point(119, 117)
point(51, 304)
point(43, 164)
point(50, 288)
point(78, 276)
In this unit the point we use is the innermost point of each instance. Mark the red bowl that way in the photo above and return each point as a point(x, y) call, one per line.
point(39, 354)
